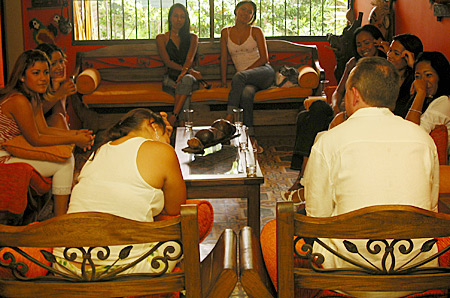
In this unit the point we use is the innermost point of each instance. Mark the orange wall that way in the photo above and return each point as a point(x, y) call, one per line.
point(419, 20)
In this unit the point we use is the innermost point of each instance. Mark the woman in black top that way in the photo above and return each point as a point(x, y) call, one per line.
point(177, 49)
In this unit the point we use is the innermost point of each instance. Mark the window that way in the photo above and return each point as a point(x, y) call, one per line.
point(144, 19)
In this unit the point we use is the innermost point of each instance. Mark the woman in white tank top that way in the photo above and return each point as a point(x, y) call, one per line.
point(247, 47)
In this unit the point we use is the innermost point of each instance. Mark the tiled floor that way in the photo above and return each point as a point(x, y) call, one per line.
point(232, 213)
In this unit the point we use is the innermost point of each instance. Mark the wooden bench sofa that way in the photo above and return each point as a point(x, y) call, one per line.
point(25, 275)
point(129, 76)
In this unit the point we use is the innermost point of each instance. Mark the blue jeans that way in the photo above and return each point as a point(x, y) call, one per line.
point(185, 86)
point(244, 85)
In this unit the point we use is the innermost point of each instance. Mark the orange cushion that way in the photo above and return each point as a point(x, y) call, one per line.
point(307, 103)
point(210, 95)
point(33, 269)
point(274, 94)
point(205, 217)
point(88, 81)
point(20, 147)
point(308, 77)
point(128, 93)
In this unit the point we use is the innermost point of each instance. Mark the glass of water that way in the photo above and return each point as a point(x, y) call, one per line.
point(238, 117)
point(251, 161)
point(243, 138)
point(188, 119)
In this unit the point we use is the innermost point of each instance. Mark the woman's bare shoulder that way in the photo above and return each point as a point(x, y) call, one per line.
point(163, 150)
point(163, 36)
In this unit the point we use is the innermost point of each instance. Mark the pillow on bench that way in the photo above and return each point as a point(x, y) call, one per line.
point(88, 81)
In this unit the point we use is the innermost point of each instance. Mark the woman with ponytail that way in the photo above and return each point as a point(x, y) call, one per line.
point(134, 173)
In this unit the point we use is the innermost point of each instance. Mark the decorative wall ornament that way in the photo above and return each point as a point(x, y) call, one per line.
point(42, 33)
point(382, 16)
point(441, 8)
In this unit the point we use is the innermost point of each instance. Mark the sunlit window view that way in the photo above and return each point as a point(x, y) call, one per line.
point(144, 19)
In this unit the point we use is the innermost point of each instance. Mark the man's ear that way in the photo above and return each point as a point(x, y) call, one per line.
point(356, 96)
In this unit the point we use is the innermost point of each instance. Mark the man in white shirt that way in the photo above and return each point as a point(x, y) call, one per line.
point(373, 158)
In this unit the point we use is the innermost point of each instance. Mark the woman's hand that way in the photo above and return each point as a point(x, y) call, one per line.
point(196, 74)
point(169, 128)
point(65, 89)
point(84, 139)
point(381, 45)
point(409, 57)
point(419, 86)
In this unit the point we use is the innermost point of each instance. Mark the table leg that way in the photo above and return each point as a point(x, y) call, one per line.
point(253, 208)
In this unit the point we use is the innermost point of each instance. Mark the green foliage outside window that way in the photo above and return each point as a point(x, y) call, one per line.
point(144, 19)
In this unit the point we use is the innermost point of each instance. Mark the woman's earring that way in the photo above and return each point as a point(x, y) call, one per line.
point(156, 133)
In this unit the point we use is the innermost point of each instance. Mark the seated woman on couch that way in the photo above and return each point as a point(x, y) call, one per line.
point(177, 49)
point(60, 88)
point(134, 173)
point(247, 47)
point(431, 102)
point(21, 114)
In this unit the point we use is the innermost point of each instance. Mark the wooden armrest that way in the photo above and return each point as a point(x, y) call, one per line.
point(219, 268)
point(253, 274)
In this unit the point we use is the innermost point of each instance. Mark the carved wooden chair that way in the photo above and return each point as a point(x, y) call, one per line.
point(378, 223)
point(215, 276)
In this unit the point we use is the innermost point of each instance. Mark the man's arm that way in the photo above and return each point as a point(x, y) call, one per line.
point(319, 193)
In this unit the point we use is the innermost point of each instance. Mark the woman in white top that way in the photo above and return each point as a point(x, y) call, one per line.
point(134, 174)
point(432, 90)
point(247, 47)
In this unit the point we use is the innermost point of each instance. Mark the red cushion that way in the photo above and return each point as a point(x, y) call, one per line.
point(440, 137)
point(205, 217)
point(15, 179)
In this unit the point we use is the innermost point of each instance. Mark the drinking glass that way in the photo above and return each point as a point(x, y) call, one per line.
point(243, 138)
point(188, 119)
point(251, 161)
point(238, 117)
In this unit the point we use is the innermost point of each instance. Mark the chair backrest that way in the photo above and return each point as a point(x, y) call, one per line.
point(389, 222)
point(93, 229)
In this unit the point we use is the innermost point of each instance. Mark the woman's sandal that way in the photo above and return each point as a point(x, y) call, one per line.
point(297, 196)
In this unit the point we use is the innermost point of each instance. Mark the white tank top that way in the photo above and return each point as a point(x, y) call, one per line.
point(245, 54)
point(111, 183)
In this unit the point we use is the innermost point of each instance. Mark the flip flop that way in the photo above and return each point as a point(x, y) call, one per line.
point(296, 196)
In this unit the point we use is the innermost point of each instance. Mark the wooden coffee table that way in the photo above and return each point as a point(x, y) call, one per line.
point(217, 175)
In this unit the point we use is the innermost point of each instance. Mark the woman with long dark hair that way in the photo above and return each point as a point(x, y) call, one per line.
point(21, 114)
point(177, 48)
point(431, 101)
point(366, 43)
point(134, 173)
point(54, 106)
